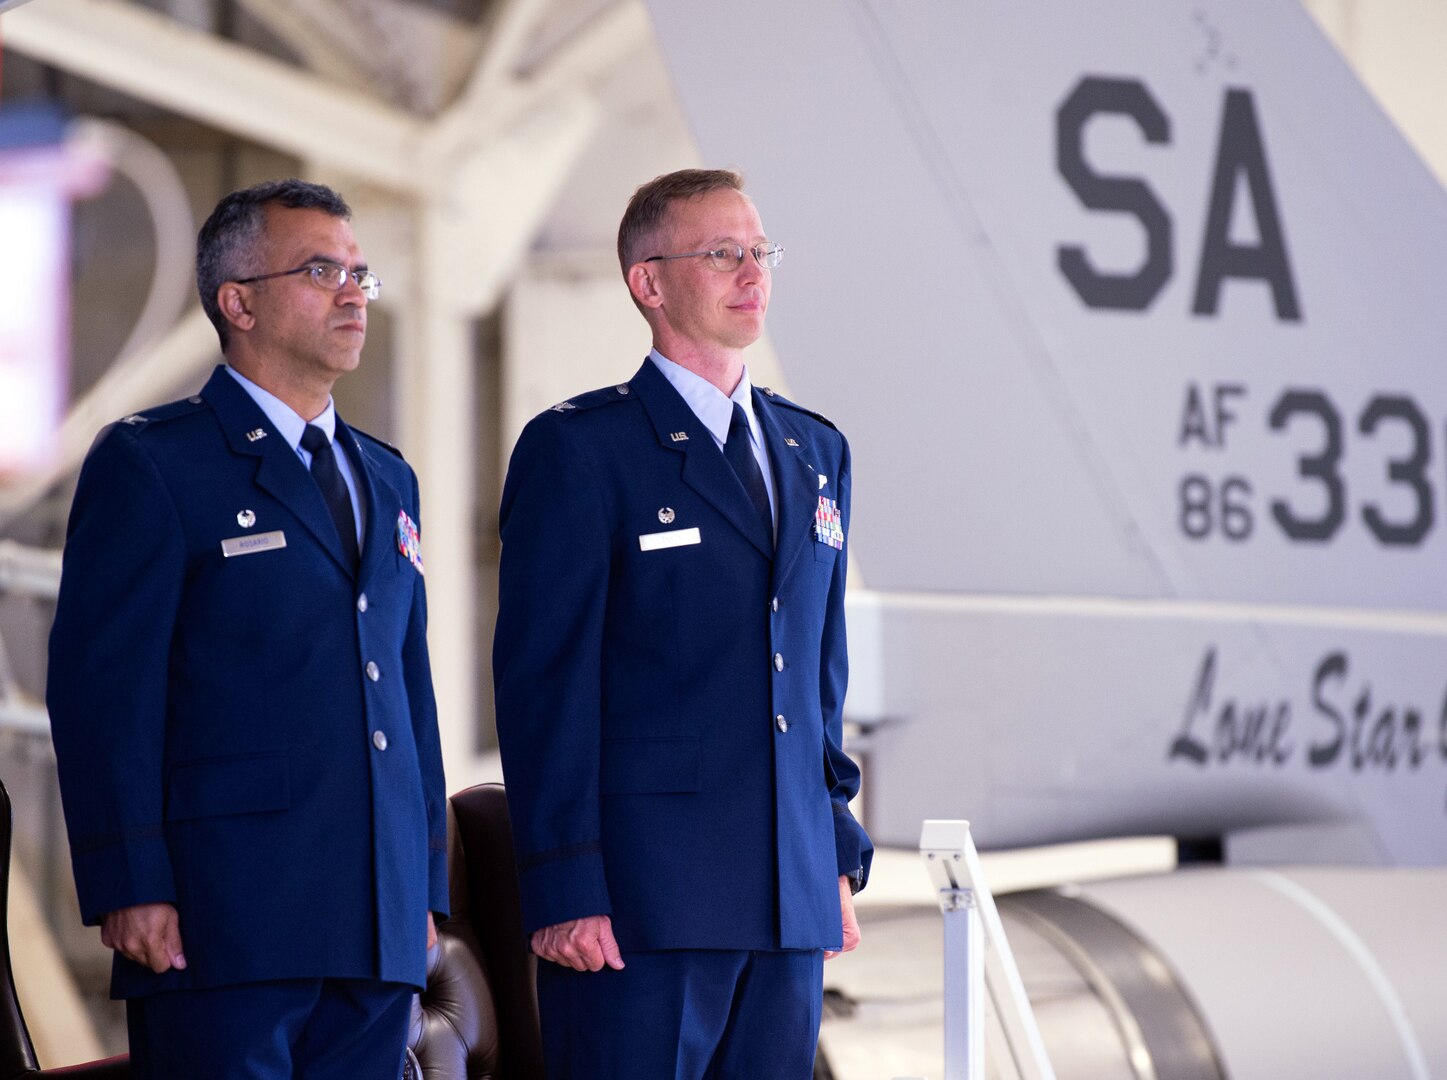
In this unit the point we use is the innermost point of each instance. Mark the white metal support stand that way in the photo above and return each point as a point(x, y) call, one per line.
point(964, 985)
point(978, 962)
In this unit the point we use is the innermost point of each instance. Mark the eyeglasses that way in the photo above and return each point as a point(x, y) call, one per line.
point(729, 257)
point(328, 275)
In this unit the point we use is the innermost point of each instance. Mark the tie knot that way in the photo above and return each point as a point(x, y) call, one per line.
point(739, 423)
point(314, 439)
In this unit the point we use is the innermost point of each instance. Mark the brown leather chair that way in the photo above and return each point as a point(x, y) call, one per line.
point(478, 1017)
point(17, 1053)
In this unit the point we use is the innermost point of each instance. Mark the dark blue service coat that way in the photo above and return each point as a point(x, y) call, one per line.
point(670, 713)
point(252, 738)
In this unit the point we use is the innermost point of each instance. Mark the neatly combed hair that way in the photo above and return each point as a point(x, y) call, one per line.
point(648, 208)
point(226, 246)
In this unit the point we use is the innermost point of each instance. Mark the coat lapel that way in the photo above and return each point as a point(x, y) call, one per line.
point(279, 471)
point(705, 469)
point(383, 502)
point(796, 486)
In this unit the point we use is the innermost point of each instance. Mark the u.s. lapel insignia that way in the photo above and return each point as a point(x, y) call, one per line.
point(256, 434)
point(790, 442)
point(409, 541)
point(828, 523)
point(678, 436)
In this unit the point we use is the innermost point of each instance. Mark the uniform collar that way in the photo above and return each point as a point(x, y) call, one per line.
point(714, 409)
point(289, 424)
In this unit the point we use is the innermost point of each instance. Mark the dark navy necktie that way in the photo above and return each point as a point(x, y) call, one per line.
point(334, 489)
point(740, 455)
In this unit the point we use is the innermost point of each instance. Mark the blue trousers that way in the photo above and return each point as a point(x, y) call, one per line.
point(296, 1029)
point(684, 1015)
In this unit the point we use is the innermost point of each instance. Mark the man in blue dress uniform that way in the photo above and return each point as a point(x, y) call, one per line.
point(670, 668)
point(239, 687)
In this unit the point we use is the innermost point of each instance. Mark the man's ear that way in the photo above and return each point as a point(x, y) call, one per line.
point(643, 283)
point(235, 303)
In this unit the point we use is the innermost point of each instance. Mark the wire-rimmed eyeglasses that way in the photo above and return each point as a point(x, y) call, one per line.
point(328, 275)
point(729, 257)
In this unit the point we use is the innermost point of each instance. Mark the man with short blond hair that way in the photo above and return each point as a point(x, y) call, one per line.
point(670, 667)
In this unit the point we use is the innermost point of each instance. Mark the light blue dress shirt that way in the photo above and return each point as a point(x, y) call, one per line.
point(715, 412)
point(291, 426)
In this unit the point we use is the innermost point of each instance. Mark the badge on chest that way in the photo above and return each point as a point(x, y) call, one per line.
point(828, 523)
point(409, 540)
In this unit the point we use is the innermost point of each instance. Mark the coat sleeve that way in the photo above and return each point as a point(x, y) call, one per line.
point(852, 846)
point(106, 689)
point(423, 705)
point(547, 670)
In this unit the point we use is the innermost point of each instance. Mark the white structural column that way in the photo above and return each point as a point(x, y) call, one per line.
point(433, 397)
point(465, 250)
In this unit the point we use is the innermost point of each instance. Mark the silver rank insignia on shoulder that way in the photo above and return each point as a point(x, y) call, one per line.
point(790, 442)
point(678, 436)
point(666, 515)
point(134, 418)
point(256, 434)
point(562, 406)
point(246, 518)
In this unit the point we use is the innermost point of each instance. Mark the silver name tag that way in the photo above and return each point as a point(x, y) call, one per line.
point(249, 545)
point(672, 538)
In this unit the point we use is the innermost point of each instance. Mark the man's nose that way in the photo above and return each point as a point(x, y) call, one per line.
point(749, 270)
point(351, 293)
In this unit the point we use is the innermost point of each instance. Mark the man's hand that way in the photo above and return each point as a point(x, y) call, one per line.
point(851, 924)
point(584, 944)
point(149, 934)
point(431, 932)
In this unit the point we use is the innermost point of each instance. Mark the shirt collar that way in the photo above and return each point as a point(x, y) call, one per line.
point(288, 423)
point(713, 409)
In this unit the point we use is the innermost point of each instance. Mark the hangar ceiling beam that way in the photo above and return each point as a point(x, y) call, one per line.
point(506, 37)
point(486, 108)
point(317, 31)
point(228, 86)
point(403, 53)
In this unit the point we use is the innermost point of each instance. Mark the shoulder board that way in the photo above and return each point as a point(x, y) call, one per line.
point(162, 412)
point(592, 399)
point(779, 399)
point(382, 443)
